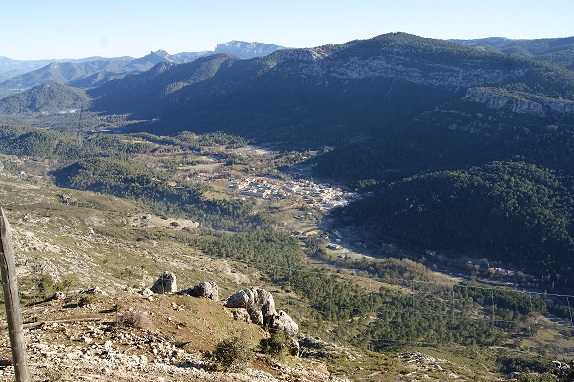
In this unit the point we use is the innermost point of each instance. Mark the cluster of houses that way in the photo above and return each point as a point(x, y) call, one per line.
point(323, 196)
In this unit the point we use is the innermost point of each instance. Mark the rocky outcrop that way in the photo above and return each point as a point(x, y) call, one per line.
point(204, 289)
point(520, 102)
point(294, 347)
point(90, 349)
point(244, 49)
point(282, 321)
point(166, 283)
point(95, 290)
point(258, 302)
point(325, 62)
point(260, 308)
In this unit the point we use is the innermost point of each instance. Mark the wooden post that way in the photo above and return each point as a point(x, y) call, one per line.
point(12, 302)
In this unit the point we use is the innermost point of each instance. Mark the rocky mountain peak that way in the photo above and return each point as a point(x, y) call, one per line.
point(244, 49)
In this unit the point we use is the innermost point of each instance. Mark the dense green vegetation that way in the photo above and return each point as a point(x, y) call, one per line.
point(153, 188)
point(432, 142)
point(418, 311)
point(509, 211)
point(186, 140)
point(52, 98)
point(67, 147)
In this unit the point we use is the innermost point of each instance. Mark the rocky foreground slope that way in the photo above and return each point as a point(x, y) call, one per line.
point(175, 333)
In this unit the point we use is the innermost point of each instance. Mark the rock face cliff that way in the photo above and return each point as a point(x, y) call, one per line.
point(323, 63)
point(520, 102)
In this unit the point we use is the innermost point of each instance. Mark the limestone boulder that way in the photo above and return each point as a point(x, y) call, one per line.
point(204, 289)
point(258, 302)
point(258, 305)
point(95, 290)
point(59, 296)
point(146, 292)
point(282, 321)
point(165, 284)
point(237, 300)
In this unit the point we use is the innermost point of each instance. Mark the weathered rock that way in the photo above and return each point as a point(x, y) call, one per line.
point(259, 306)
point(258, 302)
point(282, 321)
point(204, 289)
point(294, 347)
point(59, 296)
point(241, 314)
point(166, 283)
point(237, 300)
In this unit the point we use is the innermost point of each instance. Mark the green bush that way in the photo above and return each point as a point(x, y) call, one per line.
point(277, 345)
point(45, 285)
point(524, 362)
point(231, 355)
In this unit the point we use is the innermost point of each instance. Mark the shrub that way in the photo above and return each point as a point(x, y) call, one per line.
point(231, 355)
point(277, 345)
point(45, 286)
point(134, 318)
point(86, 300)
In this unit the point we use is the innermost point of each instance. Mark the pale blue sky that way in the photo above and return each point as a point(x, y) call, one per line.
point(42, 29)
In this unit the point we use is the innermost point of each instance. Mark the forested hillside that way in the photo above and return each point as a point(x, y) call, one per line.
point(50, 98)
point(511, 211)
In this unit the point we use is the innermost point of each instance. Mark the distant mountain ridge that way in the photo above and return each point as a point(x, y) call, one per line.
point(323, 95)
point(558, 51)
point(243, 49)
point(22, 75)
point(10, 68)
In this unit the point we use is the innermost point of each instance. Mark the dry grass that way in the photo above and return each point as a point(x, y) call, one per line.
point(135, 319)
